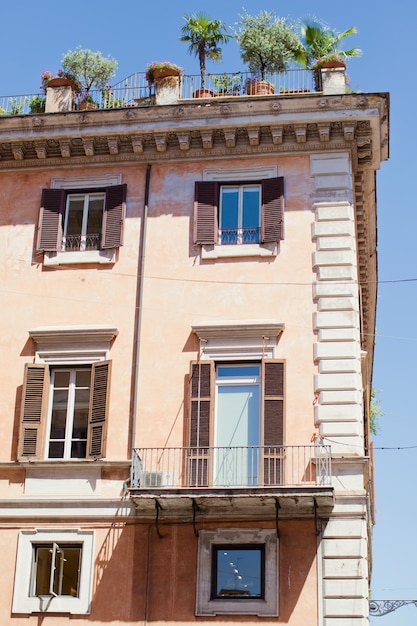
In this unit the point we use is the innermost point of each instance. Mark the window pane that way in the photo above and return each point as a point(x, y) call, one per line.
point(250, 213)
point(66, 571)
point(79, 428)
point(238, 572)
point(56, 450)
point(42, 565)
point(75, 215)
point(83, 378)
point(229, 207)
point(95, 214)
point(235, 371)
point(61, 378)
point(59, 413)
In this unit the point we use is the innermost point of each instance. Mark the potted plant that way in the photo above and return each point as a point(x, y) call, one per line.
point(37, 104)
point(267, 44)
point(227, 84)
point(321, 45)
point(90, 69)
point(161, 69)
point(86, 102)
point(205, 37)
point(108, 101)
point(62, 78)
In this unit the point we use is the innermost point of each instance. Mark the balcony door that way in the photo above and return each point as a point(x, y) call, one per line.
point(237, 424)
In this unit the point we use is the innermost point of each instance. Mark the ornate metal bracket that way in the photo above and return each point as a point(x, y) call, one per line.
point(383, 607)
point(158, 508)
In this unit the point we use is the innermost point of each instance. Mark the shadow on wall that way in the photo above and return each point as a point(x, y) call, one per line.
point(142, 577)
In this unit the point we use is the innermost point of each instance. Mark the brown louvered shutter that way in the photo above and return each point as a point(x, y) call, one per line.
point(201, 380)
point(98, 410)
point(50, 226)
point(33, 412)
point(272, 210)
point(206, 201)
point(273, 396)
point(114, 217)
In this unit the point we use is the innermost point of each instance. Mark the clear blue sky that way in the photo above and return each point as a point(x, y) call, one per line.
point(36, 34)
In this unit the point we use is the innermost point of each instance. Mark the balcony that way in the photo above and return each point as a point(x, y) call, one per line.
point(134, 91)
point(232, 480)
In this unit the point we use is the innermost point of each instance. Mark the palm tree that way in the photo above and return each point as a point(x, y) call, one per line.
point(319, 40)
point(204, 36)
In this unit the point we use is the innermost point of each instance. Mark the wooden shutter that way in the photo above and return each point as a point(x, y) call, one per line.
point(273, 399)
point(98, 410)
point(201, 382)
point(206, 202)
point(272, 210)
point(114, 217)
point(51, 217)
point(33, 412)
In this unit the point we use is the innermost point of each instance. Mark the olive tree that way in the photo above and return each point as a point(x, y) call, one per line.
point(268, 43)
point(90, 68)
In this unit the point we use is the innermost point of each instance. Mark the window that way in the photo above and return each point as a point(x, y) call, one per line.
point(237, 572)
point(55, 569)
point(239, 213)
point(64, 411)
point(68, 413)
point(236, 423)
point(53, 572)
point(81, 220)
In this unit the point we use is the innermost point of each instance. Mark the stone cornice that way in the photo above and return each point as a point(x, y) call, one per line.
point(239, 127)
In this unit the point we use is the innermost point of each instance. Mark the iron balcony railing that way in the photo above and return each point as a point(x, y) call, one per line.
point(231, 467)
point(81, 242)
point(135, 91)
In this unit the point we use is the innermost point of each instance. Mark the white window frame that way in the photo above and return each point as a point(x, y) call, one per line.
point(23, 602)
point(83, 256)
point(244, 175)
point(86, 196)
point(266, 606)
point(73, 347)
point(239, 227)
point(70, 412)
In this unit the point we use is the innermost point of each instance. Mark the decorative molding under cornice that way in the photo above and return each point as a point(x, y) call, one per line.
point(188, 131)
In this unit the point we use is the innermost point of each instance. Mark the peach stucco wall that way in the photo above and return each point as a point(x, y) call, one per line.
point(141, 578)
point(179, 290)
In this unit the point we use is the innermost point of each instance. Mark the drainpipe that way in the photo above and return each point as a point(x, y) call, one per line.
point(138, 309)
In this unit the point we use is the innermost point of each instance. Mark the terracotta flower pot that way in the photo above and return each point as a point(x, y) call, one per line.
point(259, 88)
point(61, 82)
point(203, 93)
point(87, 106)
point(333, 64)
point(164, 72)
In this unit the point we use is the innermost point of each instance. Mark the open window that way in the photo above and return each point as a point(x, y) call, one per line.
point(81, 221)
point(236, 407)
point(64, 411)
point(65, 398)
point(239, 214)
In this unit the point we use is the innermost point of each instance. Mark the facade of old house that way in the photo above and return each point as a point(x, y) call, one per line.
point(189, 294)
